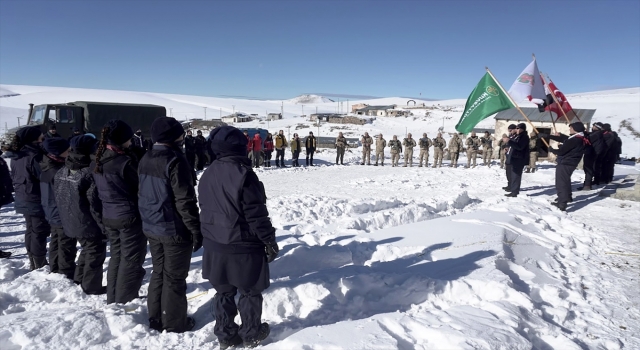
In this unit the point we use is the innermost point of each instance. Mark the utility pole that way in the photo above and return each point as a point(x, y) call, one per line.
point(303, 110)
point(19, 120)
point(205, 113)
point(282, 109)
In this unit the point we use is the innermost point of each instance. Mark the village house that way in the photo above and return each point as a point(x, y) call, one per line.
point(237, 118)
point(274, 116)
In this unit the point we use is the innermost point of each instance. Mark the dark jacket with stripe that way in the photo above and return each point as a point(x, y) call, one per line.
point(518, 148)
point(117, 186)
point(166, 194)
point(571, 150)
point(25, 173)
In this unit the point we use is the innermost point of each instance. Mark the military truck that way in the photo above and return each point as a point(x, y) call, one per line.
point(90, 117)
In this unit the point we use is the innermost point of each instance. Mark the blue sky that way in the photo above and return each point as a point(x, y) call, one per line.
point(280, 49)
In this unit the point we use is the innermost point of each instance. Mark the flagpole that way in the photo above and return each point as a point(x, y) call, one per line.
point(516, 105)
point(553, 94)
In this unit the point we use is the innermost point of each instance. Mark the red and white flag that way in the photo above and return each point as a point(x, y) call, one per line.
point(562, 100)
point(528, 84)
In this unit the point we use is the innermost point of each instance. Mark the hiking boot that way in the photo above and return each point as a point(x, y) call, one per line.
point(511, 194)
point(155, 324)
point(584, 188)
point(263, 333)
point(561, 206)
point(375, 164)
point(506, 188)
point(527, 171)
point(230, 344)
point(362, 163)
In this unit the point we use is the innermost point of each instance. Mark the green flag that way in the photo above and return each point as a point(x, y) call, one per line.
point(485, 100)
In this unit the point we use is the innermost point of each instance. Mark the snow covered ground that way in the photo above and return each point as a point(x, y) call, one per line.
point(385, 258)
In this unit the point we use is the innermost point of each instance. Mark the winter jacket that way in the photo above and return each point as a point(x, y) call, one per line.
point(6, 184)
point(408, 143)
point(425, 143)
point(473, 143)
point(518, 148)
point(295, 145)
point(380, 144)
point(138, 141)
point(310, 143)
point(49, 168)
point(571, 150)
point(200, 144)
point(487, 142)
point(597, 142)
point(49, 135)
point(268, 145)
point(190, 144)
point(341, 142)
point(166, 194)
point(395, 146)
point(77, 198)
point(234, 214)
point(281, 142)
point(117, 186)
point(455, 144)
point(25, 173)
point(256, 143)
point(367, 141)
point(439, 142)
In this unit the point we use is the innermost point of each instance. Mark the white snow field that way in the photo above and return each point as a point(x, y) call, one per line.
point(378, 257)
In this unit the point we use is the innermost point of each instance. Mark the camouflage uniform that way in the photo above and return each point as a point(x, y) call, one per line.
point(341, 145)
point(533, 152)
point(424, 143)
point(473, 144)
point(396, 148)
point(487, 149)
point(381, 143)
point(367, 141)
point(503, 151)
point(455, 146)
point(408, 144)
point(438, 149)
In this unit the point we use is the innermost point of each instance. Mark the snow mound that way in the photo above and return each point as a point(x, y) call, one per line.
point(310, 99)
point(7, 93)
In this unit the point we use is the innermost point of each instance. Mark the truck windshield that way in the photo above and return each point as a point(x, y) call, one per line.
point(37, 117)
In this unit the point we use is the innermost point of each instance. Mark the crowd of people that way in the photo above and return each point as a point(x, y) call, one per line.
point(112, 192)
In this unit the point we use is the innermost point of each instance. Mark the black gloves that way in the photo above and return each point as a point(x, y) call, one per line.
point(543, 136)
point(197, 242)
point(272, 251)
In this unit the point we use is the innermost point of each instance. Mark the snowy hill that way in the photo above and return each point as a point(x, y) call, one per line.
point(309, 99)
point(620, 108)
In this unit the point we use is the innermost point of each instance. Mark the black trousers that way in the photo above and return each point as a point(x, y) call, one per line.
point(309, 157)
point(89, 267)
point(588, 164)
point(62, 252)
point(609, 164)
point(128, 252)
point(340, 155)
point(35, 237)
point(230, 274)
point(280, 157)
point(507, 168)
point(598, 169)
point(191, 158)
point(167, 299)
point(563, 182)
point(201, 161)
point(295, 155)
point(516, 175)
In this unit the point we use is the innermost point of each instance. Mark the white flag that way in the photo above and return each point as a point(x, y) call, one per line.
point(529, 85)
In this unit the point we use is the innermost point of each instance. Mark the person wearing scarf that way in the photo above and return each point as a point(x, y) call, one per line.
point(568, 156)
point(517, 158)
point(62, 249)
point(81, 213)
point(116, 178)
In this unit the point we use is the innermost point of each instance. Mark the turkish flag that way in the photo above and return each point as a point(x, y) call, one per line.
point(550, 105)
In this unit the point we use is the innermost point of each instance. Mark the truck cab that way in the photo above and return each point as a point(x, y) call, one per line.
point(65, 117)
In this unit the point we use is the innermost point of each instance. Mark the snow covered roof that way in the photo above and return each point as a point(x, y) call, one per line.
point(376, 108)
point(535, 115)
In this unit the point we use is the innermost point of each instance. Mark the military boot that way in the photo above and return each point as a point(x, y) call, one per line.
point(528, 170)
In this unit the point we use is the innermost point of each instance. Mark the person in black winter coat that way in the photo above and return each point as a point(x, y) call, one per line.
point(53, 132)
point(507, 165)
point(568, 156)
point(170, 220)
point(237, 232)
point(6, 191)
point(200, 145)
point(190, 149)
point(310, 145)
point(81, 213)
point(517, 157)
point(137, 140)
point(26, 153)
point(116, 178)
point(592, 155)
point(609, 158)
point(62, 249)
point(76, 132)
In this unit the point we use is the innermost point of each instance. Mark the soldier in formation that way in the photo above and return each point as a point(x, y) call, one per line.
point(425, 142)
point(438, 150)
point(455, 146)
point(396, 148)
point(409, 143)
point(503, 150)
point(366, 141)
point(533, 152)
point(381, 143)
point(487, 148)
point(341, 146)
point(473, 144)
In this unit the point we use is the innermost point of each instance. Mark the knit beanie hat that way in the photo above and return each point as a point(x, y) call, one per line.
point(166, 130)
point(84, 144)
point(522, 126)
point(55, 145)
point(512, 126)
point(227, 141)
point(577, 127)
point(29, 134)
point(119, 132)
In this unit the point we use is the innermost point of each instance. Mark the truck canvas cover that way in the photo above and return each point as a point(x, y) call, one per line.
point(97, 114)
